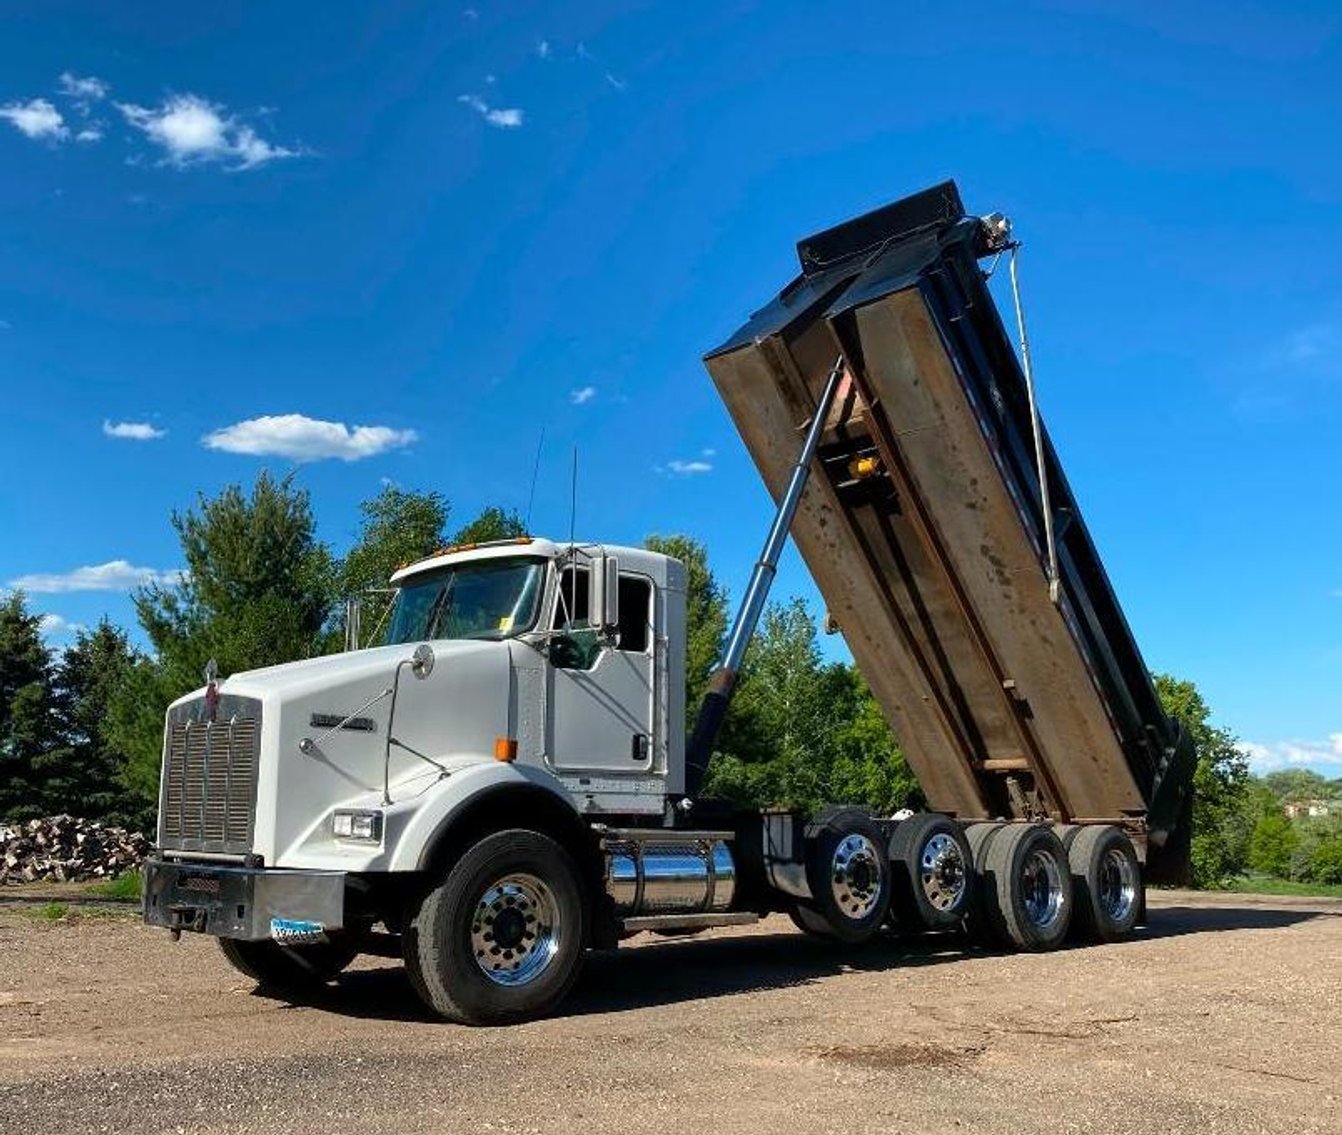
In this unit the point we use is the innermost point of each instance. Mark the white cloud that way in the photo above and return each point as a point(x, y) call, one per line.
point(89, 134)
point(57, 626)
point(132, 431)
point(86, 90)
point(192, 131)
point(688, 468)
point(1318, 755)
point(505, 119)
point(115, 575)
point(36, 118)
point(543, 49)
point(708, 453)
point(582, 395)
point(306, 439)
point(470, 14)
point(618, 84)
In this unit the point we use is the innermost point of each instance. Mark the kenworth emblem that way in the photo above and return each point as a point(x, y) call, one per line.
point(334, 720)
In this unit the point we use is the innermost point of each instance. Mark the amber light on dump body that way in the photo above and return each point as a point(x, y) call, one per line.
point(505, 749)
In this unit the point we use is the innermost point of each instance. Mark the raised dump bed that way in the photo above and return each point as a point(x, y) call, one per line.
point(923, 527)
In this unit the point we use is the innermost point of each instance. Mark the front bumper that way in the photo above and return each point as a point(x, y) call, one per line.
point(253, 903)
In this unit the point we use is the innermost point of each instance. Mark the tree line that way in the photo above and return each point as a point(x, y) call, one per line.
point(81, 728)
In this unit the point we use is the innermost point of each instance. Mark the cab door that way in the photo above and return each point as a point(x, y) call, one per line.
point(602, 695)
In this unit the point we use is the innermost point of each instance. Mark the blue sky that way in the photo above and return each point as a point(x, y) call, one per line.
point(454, 225)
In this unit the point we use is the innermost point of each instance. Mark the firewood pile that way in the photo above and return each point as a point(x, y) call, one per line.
point(63, 849)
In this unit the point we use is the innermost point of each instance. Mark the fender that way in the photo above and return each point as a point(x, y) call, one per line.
point(459, 793)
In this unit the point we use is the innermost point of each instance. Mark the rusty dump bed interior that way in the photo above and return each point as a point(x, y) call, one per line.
point(922, 526)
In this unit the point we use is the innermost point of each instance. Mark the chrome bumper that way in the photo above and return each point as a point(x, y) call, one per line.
point(243, 902)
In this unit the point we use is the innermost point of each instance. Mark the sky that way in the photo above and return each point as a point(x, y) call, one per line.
point(394, 243)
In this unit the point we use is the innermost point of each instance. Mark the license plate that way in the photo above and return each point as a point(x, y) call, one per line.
point(296, 932)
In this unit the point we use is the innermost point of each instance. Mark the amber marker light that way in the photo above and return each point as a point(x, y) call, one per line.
point(505, 748)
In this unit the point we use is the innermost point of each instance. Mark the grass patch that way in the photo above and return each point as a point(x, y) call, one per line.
point(70, 913)
point(124, 886)
point(1266, 885)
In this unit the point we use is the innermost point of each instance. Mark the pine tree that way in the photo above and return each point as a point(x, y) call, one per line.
point(81, 774)
point(25, 708)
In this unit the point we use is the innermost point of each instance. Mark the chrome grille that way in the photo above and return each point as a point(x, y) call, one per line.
point(208, 800)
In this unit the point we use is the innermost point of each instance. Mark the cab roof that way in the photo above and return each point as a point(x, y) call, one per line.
point(654, 564)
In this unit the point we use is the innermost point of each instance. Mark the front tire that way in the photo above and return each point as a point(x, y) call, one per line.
point(501, 938)
point(295, 968)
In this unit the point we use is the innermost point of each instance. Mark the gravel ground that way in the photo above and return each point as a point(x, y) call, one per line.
point(1225, 1015)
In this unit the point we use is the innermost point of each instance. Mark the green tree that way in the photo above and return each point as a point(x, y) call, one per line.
point(257, 591)
point(1289, 784)
point(1272, 844)
point(870, 767)
point(25, 708)
point(81, 774)
point(1220, 844)
point(1325, 865)
point(493, 523)
point(397, 528)
point(803, 733)
point(705, 616)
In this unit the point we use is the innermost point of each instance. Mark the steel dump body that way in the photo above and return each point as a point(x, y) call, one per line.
point(923, 527)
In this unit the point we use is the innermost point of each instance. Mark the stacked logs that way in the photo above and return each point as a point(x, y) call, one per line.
point(64, 849)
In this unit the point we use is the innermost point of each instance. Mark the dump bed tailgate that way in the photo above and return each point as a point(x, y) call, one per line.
point(923, 527)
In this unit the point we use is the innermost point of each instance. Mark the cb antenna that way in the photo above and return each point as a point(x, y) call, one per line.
point(535, 473)
point(573, 499)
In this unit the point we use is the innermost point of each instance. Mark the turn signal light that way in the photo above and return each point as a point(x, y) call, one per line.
point(505, 748)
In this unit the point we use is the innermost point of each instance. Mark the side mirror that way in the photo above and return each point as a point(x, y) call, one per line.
point(353, 616)
point(421, 662)
point(604, 593)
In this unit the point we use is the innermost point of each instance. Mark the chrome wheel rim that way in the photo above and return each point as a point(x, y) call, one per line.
point(1118, 885)
point(855, 877)
point(941, 872)
point(516, 930)
point(1041, 888)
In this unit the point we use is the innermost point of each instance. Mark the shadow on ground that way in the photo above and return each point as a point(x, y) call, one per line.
point(666, 973)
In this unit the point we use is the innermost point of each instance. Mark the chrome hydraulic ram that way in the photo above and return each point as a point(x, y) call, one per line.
point(722, 683)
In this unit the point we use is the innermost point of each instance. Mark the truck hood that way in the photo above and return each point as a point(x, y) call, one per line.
point(314, 675)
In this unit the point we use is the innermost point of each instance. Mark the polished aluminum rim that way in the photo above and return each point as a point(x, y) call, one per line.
point(1118, 884)
point(941, 871)
point(856, 878)
point(1041, 888)
point(516, 931)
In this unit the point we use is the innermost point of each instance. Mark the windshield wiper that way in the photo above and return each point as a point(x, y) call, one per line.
point(438, 609)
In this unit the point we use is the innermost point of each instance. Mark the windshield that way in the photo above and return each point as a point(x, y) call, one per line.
point(490, 599)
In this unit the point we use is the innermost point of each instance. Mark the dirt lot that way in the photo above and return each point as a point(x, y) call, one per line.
point(1224, 1016)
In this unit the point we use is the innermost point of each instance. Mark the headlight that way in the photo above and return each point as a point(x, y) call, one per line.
point(365, 826)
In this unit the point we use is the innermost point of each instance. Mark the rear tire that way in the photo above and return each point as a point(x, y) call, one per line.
point(1107, 880)
point(848, 871)
point(932, 870)
point(501, 938)
point(296, 968)
point(978, 836)
point(1028, 897)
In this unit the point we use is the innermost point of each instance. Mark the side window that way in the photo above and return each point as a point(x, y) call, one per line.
point(577, 647)
point(635, 613)
point(571, 611)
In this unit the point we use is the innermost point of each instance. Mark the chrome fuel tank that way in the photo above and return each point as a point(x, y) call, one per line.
point(669, 872)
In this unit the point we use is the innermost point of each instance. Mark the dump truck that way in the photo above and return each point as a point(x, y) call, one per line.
point(505, 780)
